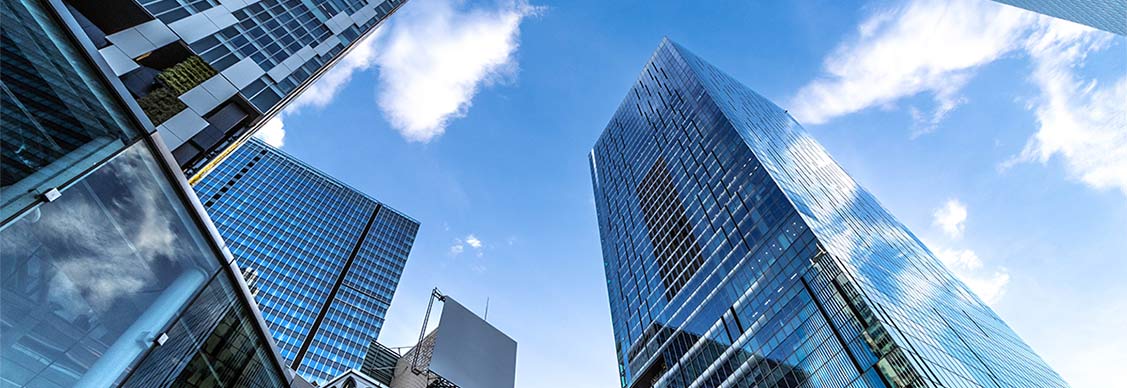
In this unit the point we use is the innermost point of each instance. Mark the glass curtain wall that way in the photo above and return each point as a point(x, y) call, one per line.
point(59, 119)
point(107, 270)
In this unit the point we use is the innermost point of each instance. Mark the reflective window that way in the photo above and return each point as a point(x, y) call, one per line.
point(59, 119)
point(328, 257)
point(91, 279)
point(737, 253)
point(214, 343)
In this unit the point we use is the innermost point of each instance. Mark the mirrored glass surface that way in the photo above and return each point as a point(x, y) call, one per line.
point(58, 117)
point(92, 278)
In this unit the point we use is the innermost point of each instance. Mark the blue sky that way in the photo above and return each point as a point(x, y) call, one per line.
point(997, 135)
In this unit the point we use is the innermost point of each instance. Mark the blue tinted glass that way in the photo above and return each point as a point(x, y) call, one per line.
point(59, 119)
point(327, 258)
point(738, 252)
point(91, 279)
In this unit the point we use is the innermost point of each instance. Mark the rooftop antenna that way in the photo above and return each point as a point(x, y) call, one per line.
point(486, 317)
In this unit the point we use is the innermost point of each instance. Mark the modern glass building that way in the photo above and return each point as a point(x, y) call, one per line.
point(110, 272)
point(327, 257)
point(208, 73)
point(739, 254)
point(1107, 15)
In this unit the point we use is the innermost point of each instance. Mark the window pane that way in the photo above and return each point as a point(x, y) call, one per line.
point(58, 118)
point(90, 279)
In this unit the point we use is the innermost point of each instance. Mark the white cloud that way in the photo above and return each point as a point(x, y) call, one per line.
point(433, 56)
point(926, 46)
point(361, 58)
point(321, 93)
point(951, 218)
point(473, 241)
point(933, 47)
point(437, 56)
point(1083, 122)
point(988, 284)
point(273, 132)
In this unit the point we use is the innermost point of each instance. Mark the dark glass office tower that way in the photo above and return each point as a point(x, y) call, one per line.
point(328, 257)
point(1107, 15)
point(738, 253)
point(110, 274)
point(209, 73)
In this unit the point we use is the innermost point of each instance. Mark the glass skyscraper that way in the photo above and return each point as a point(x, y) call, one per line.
point(738, 253)
point(109, 272)
point(209, 73)
point(1107, 15)
point(327, 257)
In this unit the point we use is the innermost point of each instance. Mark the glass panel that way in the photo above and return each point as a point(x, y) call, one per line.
point(91, 279)
point(58, 118)
point(213, 344)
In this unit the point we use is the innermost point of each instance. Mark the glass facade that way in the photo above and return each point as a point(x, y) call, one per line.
point(738, 253)
point(58, 118)
point(214, 343)
point(106, 265)
point(327, 257)
point(1107, 15)
point(207, 73)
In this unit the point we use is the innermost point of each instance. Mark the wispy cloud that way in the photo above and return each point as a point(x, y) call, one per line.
point(1084, 122)
point(951, 218)
point(321, 93)
point(436, 57)
point(925, 46)
point(473, 241)
point(934, 47)
point(470, 241)
point(457, 248)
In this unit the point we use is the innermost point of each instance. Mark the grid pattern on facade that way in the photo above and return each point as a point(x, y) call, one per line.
point(58, 118)
point(207, 73)
point(1107, 15)
point(270, 32)
point(946, 333)
point(328, 258)
point(356, 315)
point(677, 253)
point(778, 301)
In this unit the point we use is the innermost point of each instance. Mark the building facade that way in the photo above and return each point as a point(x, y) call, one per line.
point(208, 73)
point(327, 257)
point(738, 253)
point(1107, 15)
point(379, 363)
point(110, 271)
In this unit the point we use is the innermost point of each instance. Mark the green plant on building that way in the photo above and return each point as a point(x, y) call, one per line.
point(163, 102)
point(187, 74)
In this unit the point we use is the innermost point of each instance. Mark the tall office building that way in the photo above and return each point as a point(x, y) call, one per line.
point(109, 272)
point(327, 257)
point(208, 73)
point(738, 253)
point(1107, 15)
